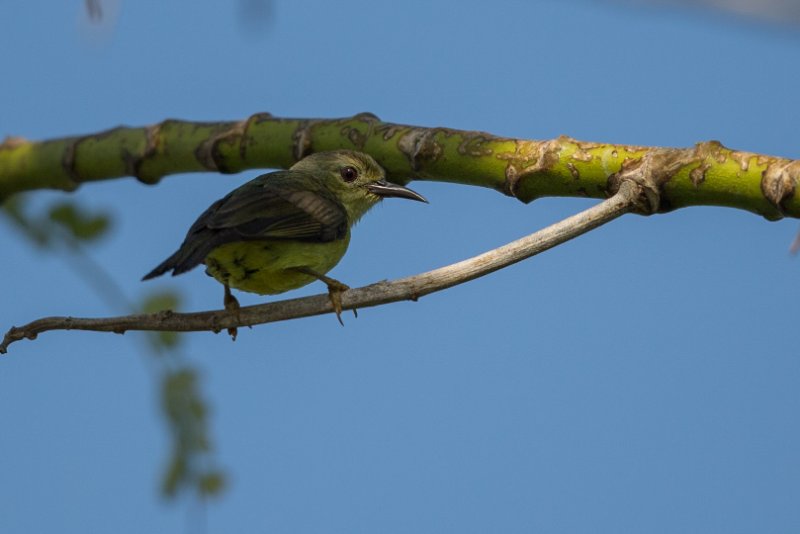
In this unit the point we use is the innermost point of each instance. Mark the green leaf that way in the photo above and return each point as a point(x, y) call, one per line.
point(80, 223)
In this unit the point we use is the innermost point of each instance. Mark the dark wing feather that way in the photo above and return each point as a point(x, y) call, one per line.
point(281, 205)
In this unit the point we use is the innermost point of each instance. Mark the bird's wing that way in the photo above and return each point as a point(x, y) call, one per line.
point(280, 205)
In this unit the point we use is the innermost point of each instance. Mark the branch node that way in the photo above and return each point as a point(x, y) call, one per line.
point(649, 172)
point(779, 181)
point(301, 139)
point(208, 152)
point(529, 160)
point(68, 163)
point(261, 116)
point(356, 136)
point(151, 135)
point(366, 116)
point(419, 146)
point(254, 119)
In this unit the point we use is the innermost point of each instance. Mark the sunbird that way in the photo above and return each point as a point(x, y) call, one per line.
point(285, 229)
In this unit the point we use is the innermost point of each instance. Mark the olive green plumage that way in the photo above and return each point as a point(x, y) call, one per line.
point(284, 229)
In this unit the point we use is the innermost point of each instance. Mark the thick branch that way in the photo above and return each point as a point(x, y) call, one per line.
point(706, 174)
point(412, 288)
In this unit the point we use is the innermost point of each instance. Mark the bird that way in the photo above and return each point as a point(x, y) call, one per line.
point(285, 229)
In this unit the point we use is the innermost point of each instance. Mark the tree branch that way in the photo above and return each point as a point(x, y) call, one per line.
point(631, 196)
point(705, 174)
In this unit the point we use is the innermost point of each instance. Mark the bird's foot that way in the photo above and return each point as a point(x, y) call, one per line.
point(231, 304)
point(335, 290)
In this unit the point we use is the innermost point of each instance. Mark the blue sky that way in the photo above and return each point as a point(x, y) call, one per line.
point(641, 378)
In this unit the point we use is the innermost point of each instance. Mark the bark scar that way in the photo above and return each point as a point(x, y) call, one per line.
point(419, 146)
point(779, 181)
point(208, 152)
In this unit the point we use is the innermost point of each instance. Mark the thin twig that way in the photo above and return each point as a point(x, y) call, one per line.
point(411, 288)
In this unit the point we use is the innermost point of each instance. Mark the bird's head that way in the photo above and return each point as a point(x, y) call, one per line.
point(355, 178)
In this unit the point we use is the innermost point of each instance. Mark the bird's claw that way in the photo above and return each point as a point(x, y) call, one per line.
point(231, 304)
point(335, 290)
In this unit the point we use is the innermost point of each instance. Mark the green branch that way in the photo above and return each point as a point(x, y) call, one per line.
point(706, 174)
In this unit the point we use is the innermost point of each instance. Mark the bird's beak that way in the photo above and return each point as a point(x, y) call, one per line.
point(382, 188)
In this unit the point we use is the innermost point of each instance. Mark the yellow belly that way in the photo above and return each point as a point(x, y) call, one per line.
point(267, 267)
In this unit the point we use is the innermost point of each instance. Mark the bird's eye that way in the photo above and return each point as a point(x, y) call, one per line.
point(349, 174)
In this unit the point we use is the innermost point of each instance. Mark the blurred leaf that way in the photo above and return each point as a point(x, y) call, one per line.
point(34, 230)
point(174, 475)
point(155, 302)
point(177, 389)
point(256, 16)
point(80, 223)
point(94, 9)
point(186, 413)
point(190, 466)
point(166, 340)
point(163, 300)
point(198, 410)
point(211, 483)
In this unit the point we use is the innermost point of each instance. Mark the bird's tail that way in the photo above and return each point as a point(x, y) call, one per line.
point(166, 265)
point(184, 259)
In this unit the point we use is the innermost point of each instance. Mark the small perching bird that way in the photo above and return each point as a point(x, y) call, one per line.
point(285, 229)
